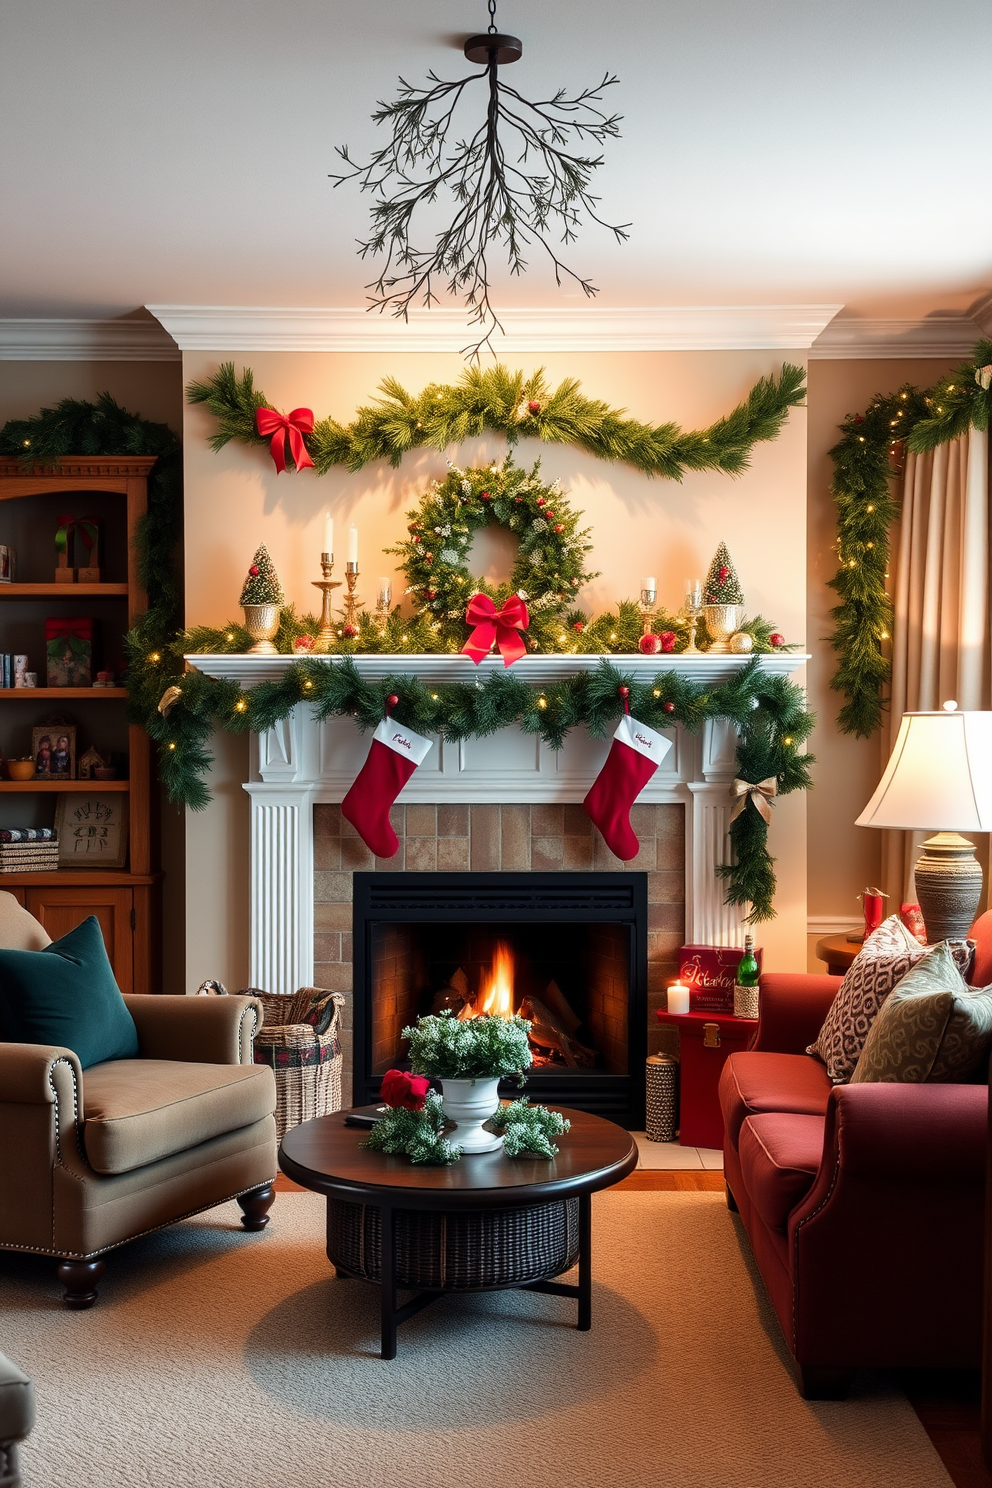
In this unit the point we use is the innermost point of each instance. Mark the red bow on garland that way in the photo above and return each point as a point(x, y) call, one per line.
point(276, 426)
point(502, 626)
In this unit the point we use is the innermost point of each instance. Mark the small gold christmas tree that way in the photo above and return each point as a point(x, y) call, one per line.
point(722, 587)
point(262, 586)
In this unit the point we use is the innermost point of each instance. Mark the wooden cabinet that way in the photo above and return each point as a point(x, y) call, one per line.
point(124, 900)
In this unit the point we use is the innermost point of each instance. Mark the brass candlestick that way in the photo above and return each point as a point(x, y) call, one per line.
point(351, 604)
point(327, 634)
point(383, 599)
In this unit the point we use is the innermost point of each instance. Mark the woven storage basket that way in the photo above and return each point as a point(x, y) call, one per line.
point(306, 1064)
point(457, 1252)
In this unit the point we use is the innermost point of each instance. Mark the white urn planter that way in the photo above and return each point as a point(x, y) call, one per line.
point(468, 1103)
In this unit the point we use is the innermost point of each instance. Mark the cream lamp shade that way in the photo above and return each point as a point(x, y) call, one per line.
point(939, 776)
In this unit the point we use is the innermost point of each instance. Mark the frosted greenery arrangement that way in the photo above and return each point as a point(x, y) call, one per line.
point(487, 1048)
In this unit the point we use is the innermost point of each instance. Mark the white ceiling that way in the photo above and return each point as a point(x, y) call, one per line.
point(773, 152)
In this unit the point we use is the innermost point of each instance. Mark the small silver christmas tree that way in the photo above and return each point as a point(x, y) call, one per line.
point(262, 586)
point(722, 584)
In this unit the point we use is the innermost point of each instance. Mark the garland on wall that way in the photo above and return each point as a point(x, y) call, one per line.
point(181, 709)
point(496, 400)
point(866, 459)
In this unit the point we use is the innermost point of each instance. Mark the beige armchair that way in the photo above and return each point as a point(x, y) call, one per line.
point(92, 1159)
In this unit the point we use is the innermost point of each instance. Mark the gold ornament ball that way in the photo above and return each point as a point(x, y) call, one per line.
point(741, 643)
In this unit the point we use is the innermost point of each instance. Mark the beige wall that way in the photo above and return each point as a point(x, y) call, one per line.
point(843, 858)
point(154, 390)
point(235, 500)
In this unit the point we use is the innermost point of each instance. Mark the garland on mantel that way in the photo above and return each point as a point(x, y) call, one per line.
point(503, 402)
point(866, 460)
point(769, 714)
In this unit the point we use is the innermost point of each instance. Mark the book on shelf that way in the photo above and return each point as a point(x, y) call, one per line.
point(28, 834)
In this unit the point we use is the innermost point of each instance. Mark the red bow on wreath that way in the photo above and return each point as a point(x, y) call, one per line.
point(502, 626)
point(277, 426)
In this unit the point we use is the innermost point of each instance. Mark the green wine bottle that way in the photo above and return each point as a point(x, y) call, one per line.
point(746, 985)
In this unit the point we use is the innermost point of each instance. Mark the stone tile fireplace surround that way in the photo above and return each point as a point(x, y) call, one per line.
point(506, 803)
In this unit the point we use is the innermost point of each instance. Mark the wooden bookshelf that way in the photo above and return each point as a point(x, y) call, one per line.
point(125, 901)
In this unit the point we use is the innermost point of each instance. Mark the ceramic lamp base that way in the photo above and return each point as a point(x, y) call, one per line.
point(948, 886)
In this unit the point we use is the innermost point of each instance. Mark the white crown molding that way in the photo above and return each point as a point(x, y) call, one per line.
point(833, 924)
point(85, 341)
point(870, 340)
point(652, 328)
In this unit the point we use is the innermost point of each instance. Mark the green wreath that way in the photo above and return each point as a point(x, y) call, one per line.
point(550, 564)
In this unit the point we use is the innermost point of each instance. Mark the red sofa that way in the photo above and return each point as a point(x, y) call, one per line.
point(863, 1204)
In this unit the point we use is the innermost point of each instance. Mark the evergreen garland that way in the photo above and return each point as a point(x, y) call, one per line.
point(865, 462)
point(516, 406)
point(769, 714)
point(418, 1135)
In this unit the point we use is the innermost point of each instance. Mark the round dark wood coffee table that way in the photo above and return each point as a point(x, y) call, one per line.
point(485, 1223)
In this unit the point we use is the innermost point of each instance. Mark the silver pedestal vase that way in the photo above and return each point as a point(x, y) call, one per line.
point(262, 624)
point(721, 622)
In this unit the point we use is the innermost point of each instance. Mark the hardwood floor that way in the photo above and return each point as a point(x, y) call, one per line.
point(946, 1400)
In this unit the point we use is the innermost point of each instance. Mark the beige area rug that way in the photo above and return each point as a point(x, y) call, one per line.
point(216, 1359)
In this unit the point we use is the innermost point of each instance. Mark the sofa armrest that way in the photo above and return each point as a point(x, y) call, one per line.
point(918, 1132)
point(792, 1008)
point(196, 1030)
point(39, 1075)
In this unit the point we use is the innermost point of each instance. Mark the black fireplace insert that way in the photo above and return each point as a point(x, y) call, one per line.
point(568, 951)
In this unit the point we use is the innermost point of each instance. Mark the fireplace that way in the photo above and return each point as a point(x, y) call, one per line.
point(566, 950)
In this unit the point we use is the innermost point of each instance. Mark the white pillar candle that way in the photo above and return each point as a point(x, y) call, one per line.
point(678, 998)
point(353, 544)
point(328, 533)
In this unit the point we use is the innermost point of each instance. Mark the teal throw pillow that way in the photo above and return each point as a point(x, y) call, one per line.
point(67, 995)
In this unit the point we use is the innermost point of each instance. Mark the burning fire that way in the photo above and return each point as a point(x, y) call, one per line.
point(496, 993)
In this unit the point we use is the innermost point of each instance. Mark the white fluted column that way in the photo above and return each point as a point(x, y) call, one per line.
point(281, 948)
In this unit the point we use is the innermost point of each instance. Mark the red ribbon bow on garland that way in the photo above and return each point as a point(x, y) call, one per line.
point(502, 626)
point(277, 426)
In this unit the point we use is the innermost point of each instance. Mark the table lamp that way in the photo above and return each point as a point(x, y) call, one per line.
point(939, 777)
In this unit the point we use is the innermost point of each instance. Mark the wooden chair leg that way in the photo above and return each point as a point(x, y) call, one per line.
point(79, 1280)
point(255, 1207)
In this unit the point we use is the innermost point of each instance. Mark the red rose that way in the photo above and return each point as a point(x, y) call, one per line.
point(649, 645)
point(350, 632)
point(724, 574)
point(667, 639)
point(533, 406)
point(303, 643)
point(776, 640)
point(400, 1089)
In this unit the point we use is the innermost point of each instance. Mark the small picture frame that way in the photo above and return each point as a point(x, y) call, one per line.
point(53, 749)
point(8, 563)
point(92, 829)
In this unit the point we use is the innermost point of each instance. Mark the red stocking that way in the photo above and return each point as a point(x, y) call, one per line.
point(634, 756)
point(395, 754)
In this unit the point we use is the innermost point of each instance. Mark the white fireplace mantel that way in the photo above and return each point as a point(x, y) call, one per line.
point(301, 762)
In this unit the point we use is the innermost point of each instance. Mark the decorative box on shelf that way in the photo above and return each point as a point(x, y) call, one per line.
point(710, 973)
point(69, 651)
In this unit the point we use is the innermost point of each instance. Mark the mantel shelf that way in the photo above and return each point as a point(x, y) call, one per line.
point(540, 670)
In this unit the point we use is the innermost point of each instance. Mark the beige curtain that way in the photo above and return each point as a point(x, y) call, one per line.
point(940, 588)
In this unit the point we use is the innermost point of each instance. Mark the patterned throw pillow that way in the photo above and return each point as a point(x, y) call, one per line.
point(884, 959)
point(933, 1027)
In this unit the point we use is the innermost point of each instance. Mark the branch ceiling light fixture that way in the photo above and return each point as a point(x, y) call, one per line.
point(512, 182)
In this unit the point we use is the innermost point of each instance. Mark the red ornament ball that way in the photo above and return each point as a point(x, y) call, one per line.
point(350, 632)
point(533, 406)
point(724, 574)
point(254, 570)
point(649, 644)
point(540, 501)
point(518, 498)
point(668, 707)
point(415, 538)
point(776, 640)
point(559, 527)
point(624, 691)
point(483, 495)
point(392, 700)
point(667, 639)
point(579, 626)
